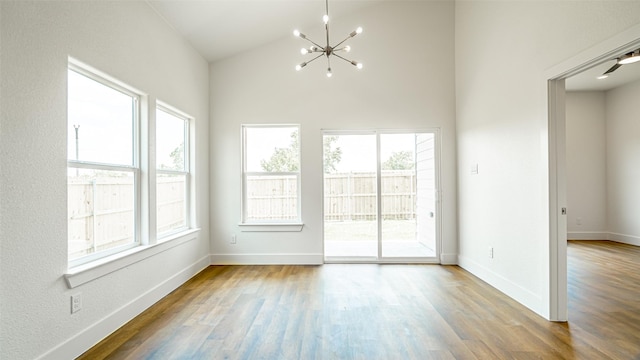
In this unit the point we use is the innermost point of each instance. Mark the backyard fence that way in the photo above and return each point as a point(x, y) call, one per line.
point(101, 212)
point(352, 196)
point(347, 196)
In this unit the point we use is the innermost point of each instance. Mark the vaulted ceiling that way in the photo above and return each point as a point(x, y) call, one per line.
point(222, 28)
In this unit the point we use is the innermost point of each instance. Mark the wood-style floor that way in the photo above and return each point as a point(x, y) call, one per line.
point(386, 312)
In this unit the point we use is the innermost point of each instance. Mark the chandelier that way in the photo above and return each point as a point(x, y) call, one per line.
point(327, 50)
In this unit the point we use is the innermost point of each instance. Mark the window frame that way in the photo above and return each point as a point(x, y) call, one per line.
point(186, 169)
point(274, 224)
point(134, 168)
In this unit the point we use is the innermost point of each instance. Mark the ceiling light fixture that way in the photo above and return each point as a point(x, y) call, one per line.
point(626, 59)
point(629, 58)
point(327, 50)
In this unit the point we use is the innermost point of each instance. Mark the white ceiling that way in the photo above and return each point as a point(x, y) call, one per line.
point(586, 80)
point(221, 28)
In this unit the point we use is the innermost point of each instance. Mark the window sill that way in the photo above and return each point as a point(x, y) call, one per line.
point(85, 273)
point(271, 227)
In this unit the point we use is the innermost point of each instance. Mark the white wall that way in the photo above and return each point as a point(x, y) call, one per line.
point(586, 165)
point(407, 83)
point(502, 126)
point(130, 42)
point(623, 159)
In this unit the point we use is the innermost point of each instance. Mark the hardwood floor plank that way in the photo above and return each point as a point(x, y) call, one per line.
point(342, 311)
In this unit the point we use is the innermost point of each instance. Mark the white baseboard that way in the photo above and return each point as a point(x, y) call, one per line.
point(449, 259)
point(587, 235)
point(625, 239)
point(604, 235)
point(267, 259)
point(506, 286)
point(83, 341)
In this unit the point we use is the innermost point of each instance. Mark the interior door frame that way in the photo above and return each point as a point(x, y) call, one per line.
point(554, 79)
point(438, 222)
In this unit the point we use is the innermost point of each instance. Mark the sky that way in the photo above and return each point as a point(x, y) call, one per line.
point(105, 133)
point(103, 117)
point(358, 151)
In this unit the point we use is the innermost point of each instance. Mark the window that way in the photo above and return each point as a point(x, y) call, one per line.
point(172, 174)
point(102, 167)
point(271, 174)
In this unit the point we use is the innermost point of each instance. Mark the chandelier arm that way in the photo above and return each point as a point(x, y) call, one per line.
point(347, 60)
point(340, 43)
point(326, 28)
point(314, 43)
point(326, 25)
point(308, 62)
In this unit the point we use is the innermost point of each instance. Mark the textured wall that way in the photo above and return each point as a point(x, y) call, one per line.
point(406, 83)
point(623, 157)
point(502, 126)
point(586, 164)
point(130, 42)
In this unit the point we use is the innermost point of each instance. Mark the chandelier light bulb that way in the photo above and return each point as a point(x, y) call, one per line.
point(327, 50)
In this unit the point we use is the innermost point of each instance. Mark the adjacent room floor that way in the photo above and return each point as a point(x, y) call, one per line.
point(340, 311)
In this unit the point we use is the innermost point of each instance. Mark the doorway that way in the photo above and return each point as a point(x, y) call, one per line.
point(609, 49)
point(380, 196)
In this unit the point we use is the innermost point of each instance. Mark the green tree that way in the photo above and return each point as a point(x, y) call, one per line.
point(177, 157)
point(399, 160)
point(332, 156)
point(284, 159)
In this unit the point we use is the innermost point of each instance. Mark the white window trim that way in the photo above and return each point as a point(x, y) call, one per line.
point(108, 81)
point(274, 225)
point(271, 227)
point(143, 166)
point(85, 273)
point(188, 119)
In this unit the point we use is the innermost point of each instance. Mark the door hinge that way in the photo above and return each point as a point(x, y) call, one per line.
point(564, 211)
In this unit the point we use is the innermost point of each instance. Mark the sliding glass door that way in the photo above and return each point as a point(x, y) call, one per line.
point(350, 196)
point(380, 202)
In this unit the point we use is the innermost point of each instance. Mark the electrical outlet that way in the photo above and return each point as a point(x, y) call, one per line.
point(490, 252)
point(578, 221)
point(234, 239)
point(76, 303)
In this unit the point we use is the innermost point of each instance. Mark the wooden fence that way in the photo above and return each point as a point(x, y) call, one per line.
point(101, 211)
point(348, 196)
point(352, 196)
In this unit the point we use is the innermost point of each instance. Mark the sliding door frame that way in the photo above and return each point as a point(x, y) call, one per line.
point(438, 202)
